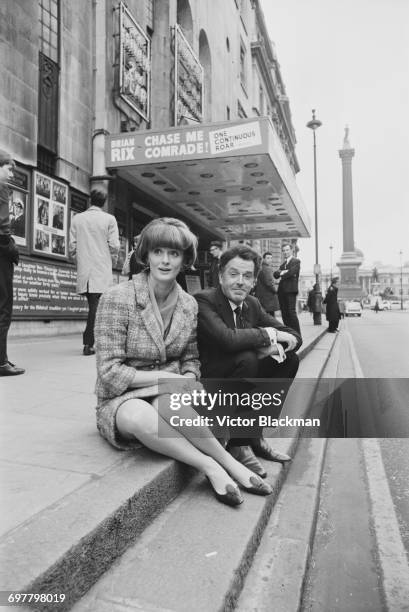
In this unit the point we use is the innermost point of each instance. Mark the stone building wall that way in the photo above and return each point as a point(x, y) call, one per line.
point(19, 78)
point(76, 94)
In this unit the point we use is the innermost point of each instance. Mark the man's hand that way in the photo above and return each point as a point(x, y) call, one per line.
point(291, 340)
point(266, 351)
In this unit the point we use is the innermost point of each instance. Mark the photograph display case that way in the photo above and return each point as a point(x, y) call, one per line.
point(50, 216)
point(18, 206)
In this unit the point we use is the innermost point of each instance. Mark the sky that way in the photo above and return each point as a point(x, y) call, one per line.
point(349, 59)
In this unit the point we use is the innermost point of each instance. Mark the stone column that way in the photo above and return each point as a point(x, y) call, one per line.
point(346, 154)
point(351, 258)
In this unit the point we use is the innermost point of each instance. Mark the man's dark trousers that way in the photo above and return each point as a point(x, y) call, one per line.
point(6, 303)
point(88, 335)
point(288, 306)
point(246, 365)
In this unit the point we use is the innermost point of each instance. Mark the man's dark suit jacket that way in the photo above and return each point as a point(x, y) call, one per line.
point(289, 280)
point(217, 336)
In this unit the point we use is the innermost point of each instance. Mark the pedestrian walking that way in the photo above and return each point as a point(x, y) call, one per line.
point(9, 257)
point(377, 307)
point(215, 251)
point(265, 290)
point(288, 274)
point(94, 243)
point(146, 332)
point(332, 308)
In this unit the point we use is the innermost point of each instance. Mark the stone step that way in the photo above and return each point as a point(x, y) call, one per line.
point(66, 547)
point(194, 556)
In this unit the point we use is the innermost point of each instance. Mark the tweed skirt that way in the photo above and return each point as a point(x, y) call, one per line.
point(106, 416)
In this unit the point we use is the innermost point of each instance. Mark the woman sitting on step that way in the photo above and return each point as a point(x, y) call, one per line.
point(146, 333)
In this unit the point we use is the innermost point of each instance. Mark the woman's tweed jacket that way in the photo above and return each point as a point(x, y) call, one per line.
point(128, 337)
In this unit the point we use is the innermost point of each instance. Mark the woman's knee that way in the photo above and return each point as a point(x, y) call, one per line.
point(136, 417)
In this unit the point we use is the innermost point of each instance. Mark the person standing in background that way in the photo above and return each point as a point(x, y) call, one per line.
point(8, 257)
point(131, 266)
point(288, 274)
point(215, 251)
point(332, 310)
point(265, 290)
point(314, 304)
point(94, 243)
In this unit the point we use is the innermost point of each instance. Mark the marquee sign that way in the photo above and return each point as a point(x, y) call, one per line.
point(206, 141)
point(232, 177)
point(135, 64)
point(188, 81)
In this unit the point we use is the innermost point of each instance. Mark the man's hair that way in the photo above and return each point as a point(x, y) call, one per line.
point(216, 243)
point(267, 253)
point(287, 244)
point(98, 198)
point(167, 232)
point(335, 279)
point(244, 252)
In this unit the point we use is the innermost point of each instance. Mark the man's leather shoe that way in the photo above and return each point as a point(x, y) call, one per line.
point(9, 369)
point(245, 456)
point(262, 449)
point(88, 350)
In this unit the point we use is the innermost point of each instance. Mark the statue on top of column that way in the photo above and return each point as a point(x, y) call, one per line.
point(346, 144)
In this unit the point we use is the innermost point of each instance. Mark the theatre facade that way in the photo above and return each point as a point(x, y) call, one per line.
point(173, 107)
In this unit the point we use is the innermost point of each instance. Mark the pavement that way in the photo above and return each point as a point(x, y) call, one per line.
point(70, 503)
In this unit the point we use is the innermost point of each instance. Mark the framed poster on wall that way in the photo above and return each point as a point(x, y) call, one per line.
point(18, 210)
point(50, 222)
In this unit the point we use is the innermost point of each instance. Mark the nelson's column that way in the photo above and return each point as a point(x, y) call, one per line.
point(351, 257)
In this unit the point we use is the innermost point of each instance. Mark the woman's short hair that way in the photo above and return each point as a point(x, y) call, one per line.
point(244, 252)
point(167, 232)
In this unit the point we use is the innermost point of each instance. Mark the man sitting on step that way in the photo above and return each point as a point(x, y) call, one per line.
point(238, 339)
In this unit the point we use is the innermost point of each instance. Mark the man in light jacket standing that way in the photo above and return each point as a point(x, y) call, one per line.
point(94, 243)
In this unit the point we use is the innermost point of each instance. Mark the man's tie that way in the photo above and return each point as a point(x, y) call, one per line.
point(240, 324)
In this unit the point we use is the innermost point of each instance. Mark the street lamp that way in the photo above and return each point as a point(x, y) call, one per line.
point(401, 281)
point(330, 260)
point(314, 124)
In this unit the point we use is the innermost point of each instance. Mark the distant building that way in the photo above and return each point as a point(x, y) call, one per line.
point(388, 280)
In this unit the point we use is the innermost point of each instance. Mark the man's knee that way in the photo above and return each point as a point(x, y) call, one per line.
point(293, 362)
point(246, 363)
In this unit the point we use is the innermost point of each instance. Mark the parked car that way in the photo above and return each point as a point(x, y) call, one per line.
point(353, 308)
